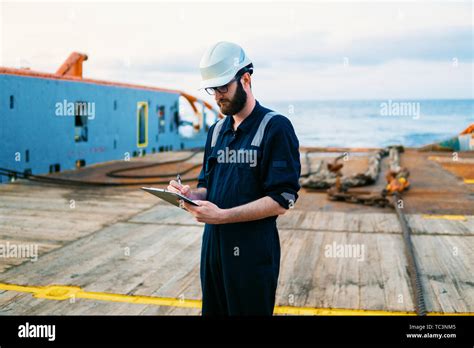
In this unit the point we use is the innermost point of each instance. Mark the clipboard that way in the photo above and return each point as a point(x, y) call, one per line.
point(168, 196)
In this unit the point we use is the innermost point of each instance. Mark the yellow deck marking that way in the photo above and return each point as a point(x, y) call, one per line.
point(445, 217)
point(333, 311)
point(62, 292)
point(469, 181)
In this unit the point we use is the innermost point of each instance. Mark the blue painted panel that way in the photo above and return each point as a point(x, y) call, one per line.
point(34, 125)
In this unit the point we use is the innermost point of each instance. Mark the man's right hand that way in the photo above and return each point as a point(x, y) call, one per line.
point(174, 186)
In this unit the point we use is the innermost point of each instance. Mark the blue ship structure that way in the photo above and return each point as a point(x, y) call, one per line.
point(62, 121)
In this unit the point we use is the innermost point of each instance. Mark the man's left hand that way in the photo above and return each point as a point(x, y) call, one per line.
point(207, 212)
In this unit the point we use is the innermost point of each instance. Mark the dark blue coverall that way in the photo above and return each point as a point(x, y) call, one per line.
point(240, 262)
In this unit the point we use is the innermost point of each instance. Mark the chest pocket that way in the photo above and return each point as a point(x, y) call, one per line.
point(248, 184)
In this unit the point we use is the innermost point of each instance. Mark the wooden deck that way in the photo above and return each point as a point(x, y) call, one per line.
point(121, 240)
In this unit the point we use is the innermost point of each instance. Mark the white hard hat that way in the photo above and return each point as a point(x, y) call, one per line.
point(220, 64)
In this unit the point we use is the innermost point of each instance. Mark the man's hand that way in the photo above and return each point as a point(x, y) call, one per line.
point(185, 190)
point(174, 186)
point(207, 212)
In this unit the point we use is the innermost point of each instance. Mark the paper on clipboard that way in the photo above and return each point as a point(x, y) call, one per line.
point(168, 196)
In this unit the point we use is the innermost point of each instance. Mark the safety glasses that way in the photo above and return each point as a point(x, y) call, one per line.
point(221, 89)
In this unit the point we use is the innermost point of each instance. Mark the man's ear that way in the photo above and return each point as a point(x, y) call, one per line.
point(247, 79)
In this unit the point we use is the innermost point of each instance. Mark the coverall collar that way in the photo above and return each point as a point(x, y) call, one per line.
point(246, 124)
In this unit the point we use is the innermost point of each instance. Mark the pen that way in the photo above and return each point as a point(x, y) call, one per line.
point(181, 203)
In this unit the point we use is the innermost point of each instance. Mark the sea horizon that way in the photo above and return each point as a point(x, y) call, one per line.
point(376, 122)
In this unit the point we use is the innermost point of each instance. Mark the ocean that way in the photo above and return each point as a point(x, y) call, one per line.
point(376, 123)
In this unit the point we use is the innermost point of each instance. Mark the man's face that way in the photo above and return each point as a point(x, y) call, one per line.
point(232, 101)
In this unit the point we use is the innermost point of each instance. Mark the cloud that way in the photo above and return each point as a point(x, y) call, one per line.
point(298, 48)
point(318, 48)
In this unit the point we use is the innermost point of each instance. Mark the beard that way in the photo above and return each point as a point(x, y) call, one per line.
point(236, 104)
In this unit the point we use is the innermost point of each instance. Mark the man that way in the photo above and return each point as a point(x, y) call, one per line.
point(250, 176)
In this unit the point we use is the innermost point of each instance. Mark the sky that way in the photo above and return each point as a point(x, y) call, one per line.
point(322, 50)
